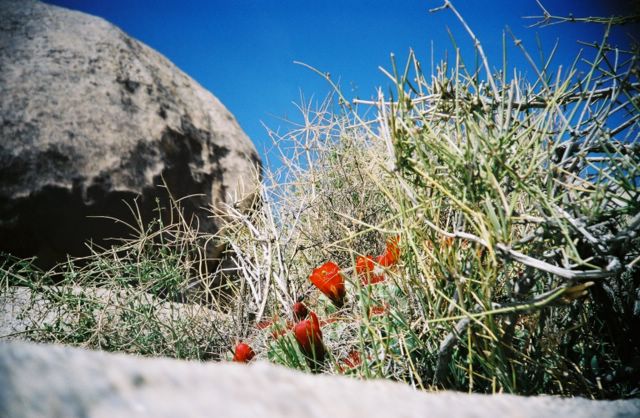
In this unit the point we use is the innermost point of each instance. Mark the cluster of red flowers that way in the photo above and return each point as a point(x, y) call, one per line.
point(371, 270)
point(306, 332)
point(330, 281)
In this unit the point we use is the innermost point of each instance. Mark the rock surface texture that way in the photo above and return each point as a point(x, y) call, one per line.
point(52, 313)
point(56, 381)
point(90, 117)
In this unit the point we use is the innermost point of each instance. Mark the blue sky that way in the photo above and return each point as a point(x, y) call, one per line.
point(243, 50)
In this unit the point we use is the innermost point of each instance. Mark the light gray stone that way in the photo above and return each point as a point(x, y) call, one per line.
point(90, 117)
point(52, 312)
point(56, 381)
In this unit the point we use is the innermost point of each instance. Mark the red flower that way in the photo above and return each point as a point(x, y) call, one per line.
point(328, 279)
point(264, 324)
point(309, 338)
point(279, 330)
point(391, 254)
point(366, 269)
point(447, 242)
point(275, 326)
point(377, 310)
point(352, 360)
point(243, 353)
point(300, 311)
point(328, 321)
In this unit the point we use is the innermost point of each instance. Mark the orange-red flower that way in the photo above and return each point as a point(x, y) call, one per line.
point(366, 269)
point(309, 337)
point(377, 310)
point(329, 320)
point(264, 324)
point(352, 360)
point(447, 242)
point(328, 279)
point(300, 311)
point(279, 330)
point(391, 253)
point(243, 353)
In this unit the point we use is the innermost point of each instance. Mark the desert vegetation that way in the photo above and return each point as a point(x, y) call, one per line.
point(472, 230)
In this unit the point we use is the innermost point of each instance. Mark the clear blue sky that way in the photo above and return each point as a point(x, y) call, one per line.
point(243, 50)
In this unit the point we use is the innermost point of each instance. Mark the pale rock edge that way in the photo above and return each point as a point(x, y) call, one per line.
point(57, 381)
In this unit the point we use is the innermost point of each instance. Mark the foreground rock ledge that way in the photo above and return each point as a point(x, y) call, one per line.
point(57, 381)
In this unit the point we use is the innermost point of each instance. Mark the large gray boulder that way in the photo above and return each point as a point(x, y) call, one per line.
point(89, 118)
point(56, 381)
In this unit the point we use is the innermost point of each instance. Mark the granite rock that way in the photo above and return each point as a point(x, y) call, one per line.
point(91, 118)
point(57, 381)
